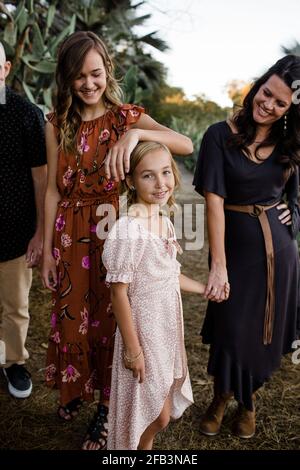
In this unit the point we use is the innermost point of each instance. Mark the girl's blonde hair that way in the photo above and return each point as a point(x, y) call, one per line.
point(142, 149)
point(71, 56)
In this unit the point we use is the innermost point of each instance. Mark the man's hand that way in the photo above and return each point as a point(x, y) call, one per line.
point(34, 250)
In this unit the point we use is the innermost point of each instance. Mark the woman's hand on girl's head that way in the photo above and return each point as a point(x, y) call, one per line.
point(48, 273)
point(137, 367)
point(117, 160)
point(285, 217)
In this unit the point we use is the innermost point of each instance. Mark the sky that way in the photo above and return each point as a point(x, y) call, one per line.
point(213, 42)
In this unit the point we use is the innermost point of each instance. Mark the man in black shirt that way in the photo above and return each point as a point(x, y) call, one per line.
point(22, 189)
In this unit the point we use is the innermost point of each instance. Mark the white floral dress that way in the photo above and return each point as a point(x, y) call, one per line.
point(148, 264)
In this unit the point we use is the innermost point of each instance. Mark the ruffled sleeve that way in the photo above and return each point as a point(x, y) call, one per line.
point(52, 118)
point(129, 114)
point(209, 174)
point(119, 252)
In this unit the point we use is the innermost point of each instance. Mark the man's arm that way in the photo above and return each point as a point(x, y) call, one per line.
point(35, 246)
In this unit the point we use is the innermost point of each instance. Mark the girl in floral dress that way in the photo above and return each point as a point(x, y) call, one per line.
point(150, 379)
point(89, 136)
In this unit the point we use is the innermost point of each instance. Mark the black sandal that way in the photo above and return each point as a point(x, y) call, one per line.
point(97, 430)
point(70, 410)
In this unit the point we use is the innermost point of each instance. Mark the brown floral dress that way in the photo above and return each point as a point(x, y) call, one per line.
point(81, 341)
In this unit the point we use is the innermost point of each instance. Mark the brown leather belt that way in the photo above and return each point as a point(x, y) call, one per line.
point(259, 211)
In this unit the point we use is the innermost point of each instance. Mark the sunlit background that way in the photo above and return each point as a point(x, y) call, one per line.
point(213, 42)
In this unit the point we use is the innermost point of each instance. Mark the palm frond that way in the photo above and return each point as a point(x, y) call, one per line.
point(153, 41)
point(295, 49)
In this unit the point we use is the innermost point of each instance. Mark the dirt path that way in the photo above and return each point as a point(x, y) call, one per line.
point(33, 424)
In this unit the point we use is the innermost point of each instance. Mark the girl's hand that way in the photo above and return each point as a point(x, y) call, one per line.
point(48, 273)
point(285, 217)
point(136, 365)
point(202, 288)
point(218, 287)
point(117, 160)
point(226, 291)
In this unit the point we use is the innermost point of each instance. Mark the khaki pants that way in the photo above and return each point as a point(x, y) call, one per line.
point(15, 283)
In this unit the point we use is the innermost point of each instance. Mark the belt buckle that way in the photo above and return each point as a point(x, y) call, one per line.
point(257, 211)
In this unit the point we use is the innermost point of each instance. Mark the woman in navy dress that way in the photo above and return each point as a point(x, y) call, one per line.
point(246, 168)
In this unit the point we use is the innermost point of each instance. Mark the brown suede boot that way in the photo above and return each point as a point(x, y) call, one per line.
point(211, 421)
point(244, 424)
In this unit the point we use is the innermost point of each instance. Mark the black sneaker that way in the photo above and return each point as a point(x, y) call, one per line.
point(19, 382)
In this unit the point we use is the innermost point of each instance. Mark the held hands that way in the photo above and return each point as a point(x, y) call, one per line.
point(136, 364)
point(117, 160)
point(285, 216)
point(218, 287)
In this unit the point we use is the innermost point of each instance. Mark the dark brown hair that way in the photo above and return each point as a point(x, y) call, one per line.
point(288, 69)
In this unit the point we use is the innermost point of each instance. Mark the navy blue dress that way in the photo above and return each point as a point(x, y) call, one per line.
point(234, 328)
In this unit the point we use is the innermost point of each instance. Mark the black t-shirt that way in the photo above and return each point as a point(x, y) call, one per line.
point(22, 147)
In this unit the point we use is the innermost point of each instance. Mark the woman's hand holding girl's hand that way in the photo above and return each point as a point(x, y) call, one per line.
point(117, 160)
point(48, 272)
point(285, 217)
point(218, 287)
point(136, 363)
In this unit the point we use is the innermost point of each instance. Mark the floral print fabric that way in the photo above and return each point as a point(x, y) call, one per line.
point(82, 324)
point(146, 262)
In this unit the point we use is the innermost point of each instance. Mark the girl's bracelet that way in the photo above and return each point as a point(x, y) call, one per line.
point(132, 359)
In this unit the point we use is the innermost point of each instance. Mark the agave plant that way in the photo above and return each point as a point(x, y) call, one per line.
point(31, 48)
point(31, 32)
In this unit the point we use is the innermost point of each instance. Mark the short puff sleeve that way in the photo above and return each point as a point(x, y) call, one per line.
point(209, 174)
point(119, 252)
